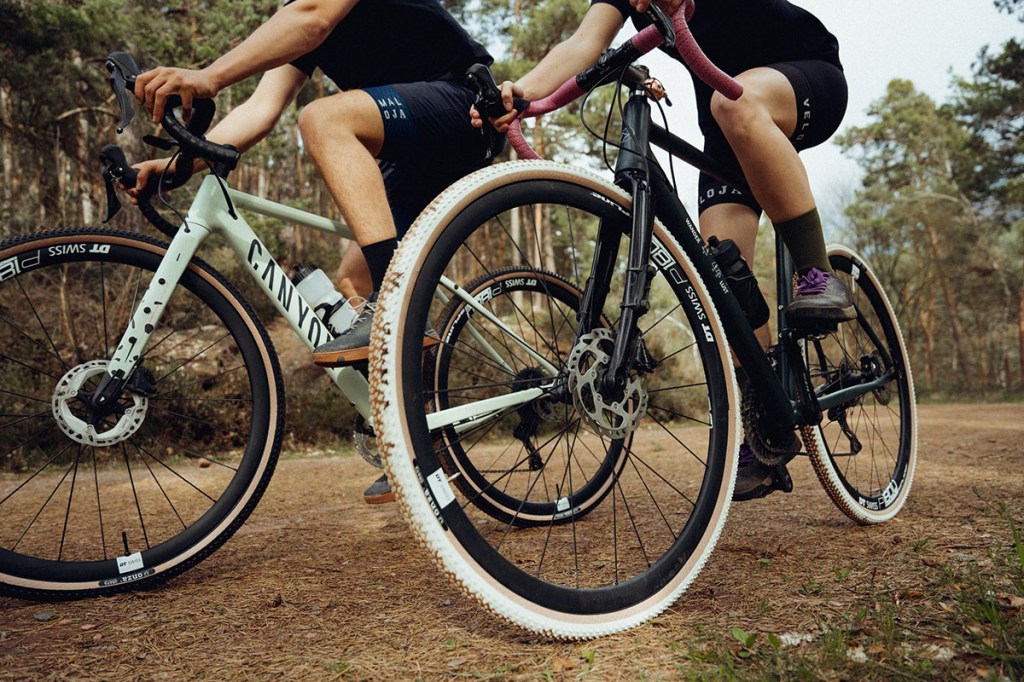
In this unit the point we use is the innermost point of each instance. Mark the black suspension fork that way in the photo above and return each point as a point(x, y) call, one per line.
point(632, 174)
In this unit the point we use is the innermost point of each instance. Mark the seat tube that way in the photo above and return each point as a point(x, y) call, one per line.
point(784, 293)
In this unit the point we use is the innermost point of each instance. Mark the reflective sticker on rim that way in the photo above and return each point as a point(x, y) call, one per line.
point(440, 489)
point(127, 564)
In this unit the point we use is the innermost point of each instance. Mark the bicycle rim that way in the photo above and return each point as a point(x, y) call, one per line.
point(162, 482)
point(619, 523)
point(865, 449)
point(512, 485)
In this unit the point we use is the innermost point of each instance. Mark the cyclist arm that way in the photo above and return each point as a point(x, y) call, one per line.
point(291, 32)
point(249, 122)
point(594, 34)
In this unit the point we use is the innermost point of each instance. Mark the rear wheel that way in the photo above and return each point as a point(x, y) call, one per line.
point(618, 499)
point(514, 484)
point(88, 505)
point(865, 449)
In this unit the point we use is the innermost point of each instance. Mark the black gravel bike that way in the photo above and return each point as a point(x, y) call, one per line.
point(568, 452)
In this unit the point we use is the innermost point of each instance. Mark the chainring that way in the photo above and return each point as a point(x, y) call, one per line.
point(365, 440)
point(770, 445)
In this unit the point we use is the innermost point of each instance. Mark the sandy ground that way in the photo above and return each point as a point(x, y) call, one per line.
point(318, 585)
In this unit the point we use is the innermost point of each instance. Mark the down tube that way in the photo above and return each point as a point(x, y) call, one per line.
point(278, 287)
point(740, 336)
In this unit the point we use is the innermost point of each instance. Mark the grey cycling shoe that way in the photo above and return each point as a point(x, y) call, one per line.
point(821, 297)
point(353, 344)
point(379, 492)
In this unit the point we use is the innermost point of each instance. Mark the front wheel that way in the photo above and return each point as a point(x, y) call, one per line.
point(865, 449)
point(98, 504)
point(565, 507)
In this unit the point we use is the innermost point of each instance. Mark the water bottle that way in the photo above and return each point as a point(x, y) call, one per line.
point(317, 289)
point(741, 280)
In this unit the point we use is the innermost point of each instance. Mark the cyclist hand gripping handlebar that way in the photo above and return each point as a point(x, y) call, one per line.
point(794, 97)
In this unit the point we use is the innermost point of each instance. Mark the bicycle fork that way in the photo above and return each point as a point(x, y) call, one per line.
point(129, 352)
point(631, 174)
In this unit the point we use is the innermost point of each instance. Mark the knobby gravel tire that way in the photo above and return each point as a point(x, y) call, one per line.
point(864, 452)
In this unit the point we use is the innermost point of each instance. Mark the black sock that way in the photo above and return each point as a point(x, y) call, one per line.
point(806, 242)
point(377, 257)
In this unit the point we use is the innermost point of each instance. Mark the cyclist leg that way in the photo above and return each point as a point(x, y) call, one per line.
point(423, 139)
point(730, 213)
point(427, 144)
point(722, 216)
point(353, 275)
point(785, 108)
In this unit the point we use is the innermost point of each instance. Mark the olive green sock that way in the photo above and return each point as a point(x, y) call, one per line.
point(806, 242)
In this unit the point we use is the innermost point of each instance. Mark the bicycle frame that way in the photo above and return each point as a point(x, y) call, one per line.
point(786, 394)
point(210, 214)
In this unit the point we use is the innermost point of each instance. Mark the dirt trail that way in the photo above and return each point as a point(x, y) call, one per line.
point(318, 585)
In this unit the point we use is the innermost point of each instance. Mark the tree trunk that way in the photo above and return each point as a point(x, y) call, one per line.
point(928, 332)
point(1020, 336)
point(955, 324)
point(6, 162)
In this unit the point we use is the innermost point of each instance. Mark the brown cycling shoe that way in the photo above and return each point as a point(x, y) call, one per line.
point(353, 344)
point(821, 297)
point(379, 492)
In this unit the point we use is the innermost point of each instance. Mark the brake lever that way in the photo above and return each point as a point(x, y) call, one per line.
point(123, 71)
point(664, 23)
point(488, 94)
point(116, 167)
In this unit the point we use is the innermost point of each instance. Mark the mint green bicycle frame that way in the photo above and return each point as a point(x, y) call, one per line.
point(209, 214)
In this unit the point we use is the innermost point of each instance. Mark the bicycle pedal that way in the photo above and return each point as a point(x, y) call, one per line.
point(811, 328)
point(783, 481)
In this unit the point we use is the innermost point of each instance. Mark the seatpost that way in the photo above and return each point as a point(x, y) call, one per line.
point(632, 174)
point(784, 290)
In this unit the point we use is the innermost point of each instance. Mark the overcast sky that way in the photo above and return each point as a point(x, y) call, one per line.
point(924, 41)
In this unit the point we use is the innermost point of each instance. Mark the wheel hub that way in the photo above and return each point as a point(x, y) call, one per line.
point(71, 411)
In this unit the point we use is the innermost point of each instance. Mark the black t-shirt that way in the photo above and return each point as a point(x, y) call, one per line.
point(738, 35)
point(382, 42)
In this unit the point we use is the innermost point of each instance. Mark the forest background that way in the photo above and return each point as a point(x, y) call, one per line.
point(938, 211)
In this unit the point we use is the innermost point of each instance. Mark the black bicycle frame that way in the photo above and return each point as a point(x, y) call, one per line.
point(653, 195)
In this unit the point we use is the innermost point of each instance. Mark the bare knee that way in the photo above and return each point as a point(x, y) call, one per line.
point(339, 119)
point(738, 118)
point(314, 119)
point(310, 122)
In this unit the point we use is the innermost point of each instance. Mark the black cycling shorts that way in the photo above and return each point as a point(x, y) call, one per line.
point(821, 96)
point(428, 143)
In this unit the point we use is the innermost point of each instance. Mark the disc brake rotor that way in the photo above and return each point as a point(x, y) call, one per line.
point(69, 409)
point(612, 416)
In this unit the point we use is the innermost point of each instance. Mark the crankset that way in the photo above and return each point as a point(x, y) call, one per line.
point(770, 444)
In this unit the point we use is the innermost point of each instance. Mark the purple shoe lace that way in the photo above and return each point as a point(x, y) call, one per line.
point(814, 282)
point(746, 454)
